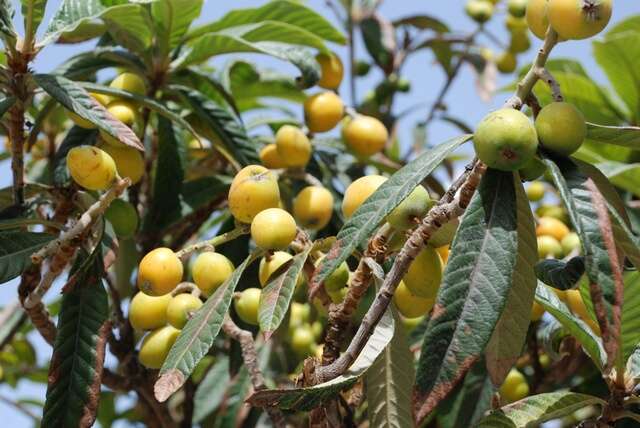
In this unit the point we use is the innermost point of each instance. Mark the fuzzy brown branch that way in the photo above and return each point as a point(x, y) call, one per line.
point(614, 333)
point(83, 223)
point(250, 357)
point(440, 214)
point(38, 314)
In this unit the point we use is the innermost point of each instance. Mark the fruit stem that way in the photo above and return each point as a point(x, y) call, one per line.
point(548, 78)
point(250, 358)
point(210, 244)
point(83, 223)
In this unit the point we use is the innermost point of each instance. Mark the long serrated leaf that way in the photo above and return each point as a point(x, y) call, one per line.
point(533, 411)
point(474, 290)
point(78, 353)
point(572, 186)
point(172, 19)
point(228, 128)
point(5, 105)
point(6, 20)
point(71, 14)
point(469, 402)
point(373, 211)
point(276, 295)
point(16, 249)
point(304, 399)
point(32, 13)
point(204, 47)
point(625, 136)
point(197, 336)
point(509, 335)
point(389, 382)
point(591, 343)
point(86, 64)
point(560, 274)
point(291, 12)
point(165, 206)
point(73, 97)
point(210, 391)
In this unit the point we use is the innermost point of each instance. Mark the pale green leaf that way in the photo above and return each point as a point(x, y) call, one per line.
point(625, 136)
point(172, 19)
point(32, 12)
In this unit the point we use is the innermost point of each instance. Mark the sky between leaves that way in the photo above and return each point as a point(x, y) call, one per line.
point(426, 80)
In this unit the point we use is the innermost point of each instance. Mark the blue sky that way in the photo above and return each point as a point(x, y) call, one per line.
point(426, 79)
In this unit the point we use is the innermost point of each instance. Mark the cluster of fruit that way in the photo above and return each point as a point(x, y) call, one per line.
point(571, 19)
point(96, 167)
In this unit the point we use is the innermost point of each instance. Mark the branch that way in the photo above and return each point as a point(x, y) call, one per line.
point(440, 214)
point(240, 230)
point(38, 314)
point(548, 78)
point(83, 223)
point(250, 358)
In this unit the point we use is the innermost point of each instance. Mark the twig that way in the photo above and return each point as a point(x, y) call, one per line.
point(83, 223)
point(7, 313)
point(213, 242)
point(250, 359)
point(19, 407)
point(352, 54)
point(439, 215)
point(548, 78)
point(38, 314)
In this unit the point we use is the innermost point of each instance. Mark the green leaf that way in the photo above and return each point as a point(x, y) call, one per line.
point(32, 12)
point(204, 47)
point(197, 336)
point(469, 402)
point(625, 136)
point(375, 209)
point(128, 24)
point(305, 399)
point(422, 22)
point(618, 56)
point(201, 191)
point(229, 129)
point(474, 290)
point(6, 22)
point(576, 196)
point(15, 251)
point(389, 382)
point(73, 97)
point(380, 40)
point(172, 19)
point(276, 295)
point(86, 64)
point(165, 205)
point(509, 335)
point(560, 274)
point(290, 12)
point(210, 391)
point(591, 343)
point(76, 136)
point(78, 353)
point(5, 105)
point(536, 409)
point(630, 334)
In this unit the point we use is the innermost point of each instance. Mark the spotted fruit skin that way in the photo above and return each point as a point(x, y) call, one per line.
point(411, 210)
point(181, 308)
point(359, 191)
point(365, 135)
point(129, 161)
point(313, 207)
point(506, 140)
point(156, 346)
point(561, 128)
point(210, 270)
point(91, 167)
point(253, 189)
point(273, 229)
point(579, 19)
point(409, 305)
point(148, 312)
point(293, 146)
point(424, 275)
point(331, 71)
point(323, 111)
point(247, 305)
point(159, 272)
